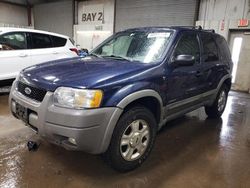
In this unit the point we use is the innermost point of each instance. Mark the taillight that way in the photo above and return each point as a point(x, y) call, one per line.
point(74, 50)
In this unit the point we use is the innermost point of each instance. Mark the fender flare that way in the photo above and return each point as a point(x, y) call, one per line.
point(137, 95)
point(222, 81)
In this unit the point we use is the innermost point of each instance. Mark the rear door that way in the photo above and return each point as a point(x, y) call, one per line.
point(48, 47)
point(42, 49)
point(185, 81)
point(213, 69)
point(14, 55)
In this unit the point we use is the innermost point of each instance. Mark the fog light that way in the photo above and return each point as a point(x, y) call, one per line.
point(13, 106)
point(72, 141)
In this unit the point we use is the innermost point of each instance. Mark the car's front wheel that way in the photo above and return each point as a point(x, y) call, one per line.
point(132, 140)
point(219, 105)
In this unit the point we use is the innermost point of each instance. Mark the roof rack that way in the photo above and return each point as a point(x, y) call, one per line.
point(198, 27)
point(209, 30)
point(191, 27)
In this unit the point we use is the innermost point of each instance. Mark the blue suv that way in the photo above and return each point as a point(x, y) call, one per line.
point(114, 101)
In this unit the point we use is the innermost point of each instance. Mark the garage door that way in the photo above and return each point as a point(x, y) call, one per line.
point(55, 17)
point(137, 13)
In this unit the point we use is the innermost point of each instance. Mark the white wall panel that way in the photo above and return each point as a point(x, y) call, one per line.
point(88, 34)
point(224, 9)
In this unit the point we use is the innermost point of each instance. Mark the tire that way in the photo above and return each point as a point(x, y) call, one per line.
point(132, 140)
point(218, 107)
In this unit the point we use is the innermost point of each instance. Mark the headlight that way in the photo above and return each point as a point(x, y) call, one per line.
point(77, 98)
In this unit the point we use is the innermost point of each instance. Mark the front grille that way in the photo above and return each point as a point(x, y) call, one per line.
point(35, 93)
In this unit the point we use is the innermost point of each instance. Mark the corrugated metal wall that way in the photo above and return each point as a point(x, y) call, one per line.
point(223, 15)
point(224, 9)
point(55, 17)
point(136, 13)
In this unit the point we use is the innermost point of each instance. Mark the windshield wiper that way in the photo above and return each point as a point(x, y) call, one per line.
point(93, 54)
point(109, 56)
point(116, 57)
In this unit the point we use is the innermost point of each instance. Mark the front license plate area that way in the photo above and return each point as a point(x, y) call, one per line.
point(22, 112)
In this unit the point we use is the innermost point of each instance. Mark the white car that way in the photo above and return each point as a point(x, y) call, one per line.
point(20, 48)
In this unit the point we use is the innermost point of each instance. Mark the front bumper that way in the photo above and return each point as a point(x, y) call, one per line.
point(90, 130)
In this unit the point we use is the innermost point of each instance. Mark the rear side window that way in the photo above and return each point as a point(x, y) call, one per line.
point(210, 51)
point(223, 48)
point(13, 41)
point(41, 41)
point(58, 41)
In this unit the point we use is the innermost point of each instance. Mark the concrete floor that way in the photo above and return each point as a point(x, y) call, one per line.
point(191, 151)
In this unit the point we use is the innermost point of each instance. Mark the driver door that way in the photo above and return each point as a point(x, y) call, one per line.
point(185, 81)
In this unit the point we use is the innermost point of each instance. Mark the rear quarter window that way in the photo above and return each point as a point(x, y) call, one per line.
point(58, 41)
point(223, 48)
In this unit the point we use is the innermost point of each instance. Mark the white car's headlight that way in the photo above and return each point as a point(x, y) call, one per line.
point(77, 98)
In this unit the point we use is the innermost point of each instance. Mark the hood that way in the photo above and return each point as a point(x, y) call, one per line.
point(88, 72)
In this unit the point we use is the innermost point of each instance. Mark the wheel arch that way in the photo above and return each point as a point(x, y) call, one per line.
point(148, 98)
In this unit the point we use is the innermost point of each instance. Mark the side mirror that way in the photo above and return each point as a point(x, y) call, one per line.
point(83, 52)
point(184, 60)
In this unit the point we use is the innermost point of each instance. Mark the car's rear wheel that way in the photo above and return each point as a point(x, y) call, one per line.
point(219, 105)
point(132, 140)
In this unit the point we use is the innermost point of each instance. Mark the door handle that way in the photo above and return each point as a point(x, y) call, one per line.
point(55, 52)
point(23, 55)
point(198, 74)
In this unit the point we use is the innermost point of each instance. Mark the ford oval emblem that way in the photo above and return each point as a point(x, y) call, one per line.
point(27, 91)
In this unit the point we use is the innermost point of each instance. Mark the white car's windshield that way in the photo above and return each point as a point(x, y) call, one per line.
point(145, 47)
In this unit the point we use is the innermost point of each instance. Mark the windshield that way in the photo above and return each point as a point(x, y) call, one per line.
point(145, 47)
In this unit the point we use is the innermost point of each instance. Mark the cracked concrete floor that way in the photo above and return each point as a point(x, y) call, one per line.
point(191, 151)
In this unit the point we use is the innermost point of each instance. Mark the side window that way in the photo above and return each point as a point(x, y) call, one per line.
point(13, 41)
point(58, 41)
point(188, 45)
point(41, 41)
point(210, 51)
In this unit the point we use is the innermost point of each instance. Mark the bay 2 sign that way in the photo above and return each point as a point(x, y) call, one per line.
point(92, 14)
